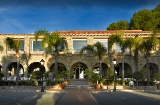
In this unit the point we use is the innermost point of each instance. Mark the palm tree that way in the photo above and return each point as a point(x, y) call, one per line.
point(1, 48)
point(136, 47)
point(98, 50)
point(14, 44)
point(147, 46)
point(115, 38)
point(124, 44)
point(52, 42)
point(128, 43)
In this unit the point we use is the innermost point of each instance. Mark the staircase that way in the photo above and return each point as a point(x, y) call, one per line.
point(78, 83)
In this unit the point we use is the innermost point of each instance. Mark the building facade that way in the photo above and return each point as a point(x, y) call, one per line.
point(31, 54)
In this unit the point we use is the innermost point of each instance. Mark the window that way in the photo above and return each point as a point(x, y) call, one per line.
point(104, 42)
point(78, 44)
point(21, 47)
point(117, 47)
point(37, 46)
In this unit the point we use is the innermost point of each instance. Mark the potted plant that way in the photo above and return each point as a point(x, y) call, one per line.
point(96, 80)
point(156, 76)
point(60, 79)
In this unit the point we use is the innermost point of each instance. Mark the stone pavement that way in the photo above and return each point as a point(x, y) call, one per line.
point(78, 97)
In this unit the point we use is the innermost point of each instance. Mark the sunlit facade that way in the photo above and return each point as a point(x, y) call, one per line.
point(31, 53)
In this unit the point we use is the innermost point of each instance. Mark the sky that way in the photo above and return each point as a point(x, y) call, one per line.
point(27, 16)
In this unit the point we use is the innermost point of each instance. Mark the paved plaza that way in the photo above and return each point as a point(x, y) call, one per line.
point(80, 97)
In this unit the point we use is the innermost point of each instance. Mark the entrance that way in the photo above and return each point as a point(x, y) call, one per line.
point(79, 72)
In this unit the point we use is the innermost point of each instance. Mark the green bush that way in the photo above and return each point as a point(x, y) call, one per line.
point(120, 82)
point(21, 83)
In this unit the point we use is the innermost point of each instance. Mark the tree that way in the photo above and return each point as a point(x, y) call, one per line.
point(136, 47)
point(51, 42)
point(14, 44)
point(120, 25)
point(1, 48)
point(147, 46)
point(128, 43)
point(98, 49)
point(124, 44)
point(145, 19)
point(137, 75)
point(114, 38)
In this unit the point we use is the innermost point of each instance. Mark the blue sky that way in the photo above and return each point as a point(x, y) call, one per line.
point(27, 16)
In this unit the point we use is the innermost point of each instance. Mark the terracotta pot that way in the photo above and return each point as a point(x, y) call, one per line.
point(67, 82)
point(60, 86)
point(98, 86)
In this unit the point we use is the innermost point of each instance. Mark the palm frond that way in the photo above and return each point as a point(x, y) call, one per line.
point(88, 48)
point(115, 38)
point(1, 48)
point(41, 32)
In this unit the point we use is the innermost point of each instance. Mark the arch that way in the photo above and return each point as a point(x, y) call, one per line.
point(153, 68)
point(34, 67)
point(79, 69)
point(12, 68)
point(61, 67)
point(127, 70)
point(11, 71)
point(0, 68)
point(104, 68)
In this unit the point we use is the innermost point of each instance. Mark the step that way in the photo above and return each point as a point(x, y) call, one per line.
point(78, 83)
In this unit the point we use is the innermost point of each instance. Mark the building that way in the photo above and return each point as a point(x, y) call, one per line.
point(31, 54)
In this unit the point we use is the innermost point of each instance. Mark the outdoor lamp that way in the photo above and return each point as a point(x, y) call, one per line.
point(114, 63)
point(42, 62)
point(41, 69)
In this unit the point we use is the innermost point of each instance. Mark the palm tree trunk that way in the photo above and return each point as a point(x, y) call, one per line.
point(100, 68)
point(56, 65)
point(136, 59)
point(123, 69)
point(147, 70)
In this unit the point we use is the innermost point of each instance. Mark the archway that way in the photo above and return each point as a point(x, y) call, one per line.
point(104, 68)
point(127, 70)
point(11, 71)
point(79, 70)
point(35, 66)
point(153, 68)
point(12, 68)
point(61, 67)
point(0, 68)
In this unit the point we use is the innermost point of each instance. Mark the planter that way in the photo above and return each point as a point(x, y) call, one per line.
point(60, 86)
point(97, 86)
point(158, 86)
point(66, 82)
point(104, 87)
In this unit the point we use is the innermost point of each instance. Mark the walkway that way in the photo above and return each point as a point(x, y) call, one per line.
point(78, 97)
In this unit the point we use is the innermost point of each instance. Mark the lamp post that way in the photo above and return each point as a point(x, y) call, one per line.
point(114, 63)
point(42, 71)
point(17, 73)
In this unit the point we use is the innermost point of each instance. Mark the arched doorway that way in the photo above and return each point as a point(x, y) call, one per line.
point(127, 70)
point(12, 69)
point(35, 66)
point(79, 70)
point(153, 68)
point(61, 67)
point(104, 68)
